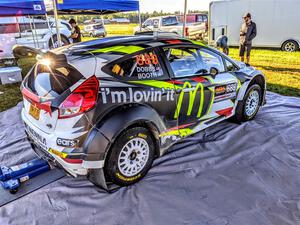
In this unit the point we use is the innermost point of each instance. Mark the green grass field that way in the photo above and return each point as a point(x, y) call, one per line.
point(281, 69)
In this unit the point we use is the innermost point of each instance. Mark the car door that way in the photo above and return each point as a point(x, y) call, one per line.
point(199, 77)
point(148, 83)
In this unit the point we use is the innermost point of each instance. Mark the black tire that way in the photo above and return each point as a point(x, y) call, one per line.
point(240, 114)
point(290, 46)
point(111, 168)
point(64, 40)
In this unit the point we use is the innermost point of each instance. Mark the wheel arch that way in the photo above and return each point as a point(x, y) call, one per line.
point(116, 121)
point(290, 39)
point(257, 79)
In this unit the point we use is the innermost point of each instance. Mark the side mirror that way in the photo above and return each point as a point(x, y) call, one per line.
point(213, 71)
point(143, 25)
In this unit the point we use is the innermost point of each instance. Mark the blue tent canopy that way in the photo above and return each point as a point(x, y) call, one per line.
point(96, 6)
point(21, 7)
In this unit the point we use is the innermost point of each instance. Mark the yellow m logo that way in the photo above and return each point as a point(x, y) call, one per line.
point(187, 87)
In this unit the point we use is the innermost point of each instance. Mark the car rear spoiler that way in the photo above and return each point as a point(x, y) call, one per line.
point(21, 51)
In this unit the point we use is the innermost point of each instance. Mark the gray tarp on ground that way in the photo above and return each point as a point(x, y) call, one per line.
point(229, 174)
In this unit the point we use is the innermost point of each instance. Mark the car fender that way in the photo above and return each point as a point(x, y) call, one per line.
point(108, 129)
point(249, 80)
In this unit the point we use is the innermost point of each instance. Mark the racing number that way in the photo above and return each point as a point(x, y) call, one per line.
point(146, 59)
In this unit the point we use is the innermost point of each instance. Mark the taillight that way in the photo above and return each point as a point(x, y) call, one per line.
point(81, 100)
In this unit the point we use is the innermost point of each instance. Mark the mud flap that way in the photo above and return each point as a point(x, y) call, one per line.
point(97, 177)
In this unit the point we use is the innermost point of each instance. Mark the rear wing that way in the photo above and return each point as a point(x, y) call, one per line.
point(20, 51)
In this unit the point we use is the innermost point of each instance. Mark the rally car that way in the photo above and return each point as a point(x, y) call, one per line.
point(107, 108)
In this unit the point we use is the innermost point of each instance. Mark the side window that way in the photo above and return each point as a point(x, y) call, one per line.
point(212, 60)
point(186, 61)
point(148, 23)
point(230, 66)
point(168, 21)
point(138, 67)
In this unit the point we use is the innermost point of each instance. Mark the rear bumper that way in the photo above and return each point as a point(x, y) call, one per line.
point(44, 143)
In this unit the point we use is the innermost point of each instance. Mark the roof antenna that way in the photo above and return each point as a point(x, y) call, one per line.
point(155, 29)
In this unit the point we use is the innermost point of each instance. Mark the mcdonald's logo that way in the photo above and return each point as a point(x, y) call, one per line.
point(192, 95)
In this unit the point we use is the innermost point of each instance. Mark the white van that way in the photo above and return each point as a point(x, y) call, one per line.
point(277, 22)
point(34, 32)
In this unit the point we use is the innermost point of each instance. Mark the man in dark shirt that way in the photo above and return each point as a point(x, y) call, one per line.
point(247, 34)
point(222, 43)
point(75, 35)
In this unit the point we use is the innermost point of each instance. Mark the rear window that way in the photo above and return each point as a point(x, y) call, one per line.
point(47, 81)
point(97, 26)
point(141, 66)
point(168, 21)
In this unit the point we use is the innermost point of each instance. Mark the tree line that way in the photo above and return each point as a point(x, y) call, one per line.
point(131, 16)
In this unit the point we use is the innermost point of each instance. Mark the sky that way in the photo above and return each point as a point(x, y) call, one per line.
point(172, 5)
point(168, 6)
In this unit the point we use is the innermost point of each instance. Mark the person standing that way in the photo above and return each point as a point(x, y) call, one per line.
point(247, 34)
point(222, 43)
point(76, 34)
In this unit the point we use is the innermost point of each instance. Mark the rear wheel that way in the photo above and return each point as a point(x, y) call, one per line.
point(250, 104)
point(290, 46)
point(131, 156)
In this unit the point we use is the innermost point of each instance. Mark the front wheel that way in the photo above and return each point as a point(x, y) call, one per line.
point(249, 106)
point(131, 156)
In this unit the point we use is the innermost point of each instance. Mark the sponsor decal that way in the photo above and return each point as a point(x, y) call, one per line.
point(58, 153)
point(142, 135)
point(152, 95)
point(220, 90)
point(37, 7)
point(225, 91)
point(192, 94)
point(147, 66)
point(67, 142)
point(128, 178)
point(146, 59)
point(36, 136)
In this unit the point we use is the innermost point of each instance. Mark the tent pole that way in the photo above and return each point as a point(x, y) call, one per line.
point(35, 33)
point(56, 23)
point(140, 20)
point(50, 28)
point(184, 18)
point(31, 27)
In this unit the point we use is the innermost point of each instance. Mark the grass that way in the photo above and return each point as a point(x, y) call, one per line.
point(10, 95)
point(282, 69)
point(115, 30)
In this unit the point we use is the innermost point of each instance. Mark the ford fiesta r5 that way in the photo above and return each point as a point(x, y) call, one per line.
point(107, 108)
